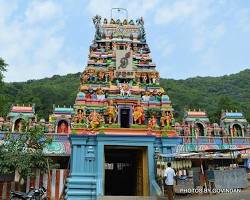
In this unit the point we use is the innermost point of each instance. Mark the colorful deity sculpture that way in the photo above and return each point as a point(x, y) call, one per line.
point(63, 127)
point(100, 94)
point(20, 125)
point(111, 112)
point(137, 77)
point(152, 123)
point(166, 119)
point(146, 96)
point(138, 114)
point(101, 75)
point(111, 75)
point(80, 116)
point(85, 78)
point(125, 90)
point(95, 119)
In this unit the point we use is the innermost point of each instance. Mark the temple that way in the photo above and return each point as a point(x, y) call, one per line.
point(122, 121)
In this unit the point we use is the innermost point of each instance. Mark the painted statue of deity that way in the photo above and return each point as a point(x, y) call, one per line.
point(63, 127)
point(111, 75)
point(19, 125)
point(146, 96)
point(85, 77)
point(137, 77)
point(152, 123)
point(101, 75)
point(138, 114)
point(80, 116)
point(100, 94)
point(95, 119)
point(111, 112)
point(125, 90)
point(153, 77)
point(166, 119)
point(144, 78)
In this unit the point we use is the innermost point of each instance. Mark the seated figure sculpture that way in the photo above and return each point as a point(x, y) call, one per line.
point(95, 119)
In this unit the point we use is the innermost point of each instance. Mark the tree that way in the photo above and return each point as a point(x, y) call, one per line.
point(3, 66)
point(23, 153)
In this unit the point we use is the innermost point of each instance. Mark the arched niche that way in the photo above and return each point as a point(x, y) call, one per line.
point(19, 125)
point(200, 129)
point(237, 130)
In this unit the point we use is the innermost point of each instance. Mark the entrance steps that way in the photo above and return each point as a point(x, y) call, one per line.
point(128, 198)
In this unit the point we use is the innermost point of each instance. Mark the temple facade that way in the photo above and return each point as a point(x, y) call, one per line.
point(122, 120)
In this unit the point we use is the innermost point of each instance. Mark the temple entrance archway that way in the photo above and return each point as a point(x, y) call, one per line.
point(126, 171)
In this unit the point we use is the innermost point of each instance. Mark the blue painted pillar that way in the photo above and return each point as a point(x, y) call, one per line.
point(100, 169)
point(151, 168)
point(81, 183)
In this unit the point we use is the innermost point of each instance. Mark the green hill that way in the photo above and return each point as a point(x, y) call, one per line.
point(209, 93)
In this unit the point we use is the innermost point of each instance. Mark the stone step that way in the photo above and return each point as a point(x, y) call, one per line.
point(127, 198)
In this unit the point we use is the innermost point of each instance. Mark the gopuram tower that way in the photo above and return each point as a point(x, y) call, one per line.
point(122, 116)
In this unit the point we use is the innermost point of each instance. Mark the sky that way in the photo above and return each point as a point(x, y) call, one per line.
point(187, 38)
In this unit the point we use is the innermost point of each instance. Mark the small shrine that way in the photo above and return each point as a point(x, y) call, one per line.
point(233, 123)
point(60, 119)
point(197, 122)
point(20, 117)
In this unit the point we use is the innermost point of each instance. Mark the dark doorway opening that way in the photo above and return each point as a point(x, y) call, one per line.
point(124, 171)
point(124, 118)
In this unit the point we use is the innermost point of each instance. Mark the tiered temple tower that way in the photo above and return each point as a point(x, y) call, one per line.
point(121, 114)
point(120, 85)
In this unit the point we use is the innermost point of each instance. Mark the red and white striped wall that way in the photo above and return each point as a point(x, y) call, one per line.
point(54, 184)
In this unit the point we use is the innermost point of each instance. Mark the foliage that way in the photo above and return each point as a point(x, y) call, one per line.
point(212, 94)
point(208, 93)
point(24, 153)
point(3, 66)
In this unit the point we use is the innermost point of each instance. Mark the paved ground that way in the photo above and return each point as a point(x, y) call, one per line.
point(242, 195)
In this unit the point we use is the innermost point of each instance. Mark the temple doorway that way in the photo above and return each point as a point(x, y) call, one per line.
point(126, 171)
point(125, 117)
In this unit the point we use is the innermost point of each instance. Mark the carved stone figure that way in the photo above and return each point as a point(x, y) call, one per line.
point(101, 75)
point(138, 114)
point(152, 123)
point(142, 34)
point(97, 23)
point(111, 112)
point(166, 119)
point(95, 119)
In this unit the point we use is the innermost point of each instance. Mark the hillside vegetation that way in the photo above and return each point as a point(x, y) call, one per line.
point(207, 93)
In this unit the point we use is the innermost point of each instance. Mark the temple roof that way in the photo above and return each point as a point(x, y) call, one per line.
point(191, 116)
point(23, 109)
point(63, 110)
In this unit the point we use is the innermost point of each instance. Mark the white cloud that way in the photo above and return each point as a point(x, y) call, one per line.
point(32, 42)
point(42, 11)
point(179, 10)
